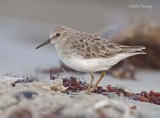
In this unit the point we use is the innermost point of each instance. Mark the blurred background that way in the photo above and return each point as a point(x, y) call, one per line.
point(24, 24)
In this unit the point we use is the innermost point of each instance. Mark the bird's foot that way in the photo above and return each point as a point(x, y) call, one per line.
point(88, 92)
point(93, 89)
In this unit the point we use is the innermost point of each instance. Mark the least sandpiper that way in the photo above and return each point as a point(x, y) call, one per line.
point(88, 52)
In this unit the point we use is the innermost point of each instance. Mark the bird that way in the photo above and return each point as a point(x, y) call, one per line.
point(89, 53)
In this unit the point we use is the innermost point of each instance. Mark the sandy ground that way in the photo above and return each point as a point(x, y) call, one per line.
point(9, 102)
point(36, 100)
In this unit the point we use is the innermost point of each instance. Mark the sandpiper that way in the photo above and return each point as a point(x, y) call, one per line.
point(88, 52)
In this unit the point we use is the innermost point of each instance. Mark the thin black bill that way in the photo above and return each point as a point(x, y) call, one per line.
point(45, 43)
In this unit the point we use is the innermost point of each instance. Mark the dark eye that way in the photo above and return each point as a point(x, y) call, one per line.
point(58, 34)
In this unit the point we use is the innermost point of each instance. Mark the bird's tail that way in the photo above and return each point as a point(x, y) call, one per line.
point(133, 49)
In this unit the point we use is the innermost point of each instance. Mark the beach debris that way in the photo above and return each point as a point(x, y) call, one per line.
point(58, 86)
point(26, 80)
point(152, 97)
point(145, 33)
point(75, 85)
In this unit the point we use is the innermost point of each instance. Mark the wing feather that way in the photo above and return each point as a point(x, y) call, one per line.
point(90, 46)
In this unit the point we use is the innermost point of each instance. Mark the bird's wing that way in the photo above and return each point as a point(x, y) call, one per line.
point(90, 46)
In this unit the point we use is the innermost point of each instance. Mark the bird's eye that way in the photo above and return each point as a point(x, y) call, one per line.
point(58, 34)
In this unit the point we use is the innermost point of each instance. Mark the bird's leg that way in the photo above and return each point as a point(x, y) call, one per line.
point(103, 73)
point(92, 79)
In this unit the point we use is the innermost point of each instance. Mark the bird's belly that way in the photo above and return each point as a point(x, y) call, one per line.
point(87, 65)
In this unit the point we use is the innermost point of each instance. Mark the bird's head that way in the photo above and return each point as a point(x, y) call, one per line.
point(57, 35)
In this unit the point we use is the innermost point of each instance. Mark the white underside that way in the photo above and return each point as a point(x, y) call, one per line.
point(87, 65)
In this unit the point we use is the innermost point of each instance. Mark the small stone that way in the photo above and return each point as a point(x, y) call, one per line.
point(21, 113)
point(133, 107)
point(26, 94)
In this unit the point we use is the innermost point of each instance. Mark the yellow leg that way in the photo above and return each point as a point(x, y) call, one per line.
point(92, 79)
point(103, 73)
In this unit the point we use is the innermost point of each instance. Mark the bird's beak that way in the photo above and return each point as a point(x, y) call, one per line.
point(45, 43)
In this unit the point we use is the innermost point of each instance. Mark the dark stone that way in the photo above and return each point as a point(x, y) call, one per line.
point(26, 94)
